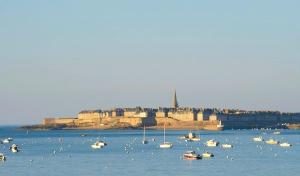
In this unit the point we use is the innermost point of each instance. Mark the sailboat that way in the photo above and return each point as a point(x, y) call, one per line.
point(144, 141)
point(165, 145)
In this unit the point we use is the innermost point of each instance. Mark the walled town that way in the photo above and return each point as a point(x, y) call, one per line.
point(174, 118)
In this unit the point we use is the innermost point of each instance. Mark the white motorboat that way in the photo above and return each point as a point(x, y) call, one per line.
point(191, 155)
point(272, 142)
point(14, 148)
point(285, 144)
point(144, 141)
point(225, 146)
point(212, 143)
point(98, 145)
point(258, 139)
point(5, 141)
point(207, 155)
point(165, 145)
point(2, 157)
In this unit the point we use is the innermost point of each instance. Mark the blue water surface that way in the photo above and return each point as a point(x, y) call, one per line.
point(65, 152)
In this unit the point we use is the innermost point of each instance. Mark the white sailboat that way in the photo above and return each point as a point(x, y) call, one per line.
point(165, 144)
point(144, 136)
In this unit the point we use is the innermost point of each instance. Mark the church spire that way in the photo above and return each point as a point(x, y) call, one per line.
point(175, 102)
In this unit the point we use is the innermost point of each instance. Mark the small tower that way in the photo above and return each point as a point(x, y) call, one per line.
point(175, 102)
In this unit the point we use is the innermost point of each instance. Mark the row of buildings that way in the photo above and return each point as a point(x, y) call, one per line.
point(139, 116)
point(133, 116)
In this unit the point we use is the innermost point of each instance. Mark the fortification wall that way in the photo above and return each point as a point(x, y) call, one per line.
point(59, 121)
point(134, 121)
point(184, 116)
point(90, 115)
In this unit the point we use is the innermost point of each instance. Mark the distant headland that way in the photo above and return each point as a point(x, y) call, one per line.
point(172, 118)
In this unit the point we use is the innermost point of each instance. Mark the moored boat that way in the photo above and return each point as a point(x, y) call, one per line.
point(207, 155)
point(272, 142)
point(190, 137)
point(285, 144)
point(191, 155)
point(258, 139)
point(165, 145)
point(98, 145)
point(2, 157)
point(227, 146)
point(14, 148)
point(212, 143)
point(6, 141)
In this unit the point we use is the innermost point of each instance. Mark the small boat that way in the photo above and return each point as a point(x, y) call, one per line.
point(212, 143)
point(225, 146)
point(144, 141)
point(191, 155)
point(272, 142)
point(165, 145)
point(2, 157)
point(258, 139)
point(83, 135)
point(6, 141)
point(277, 132)
point(191, 137)
point(207, 155)
point(14, 148)
point(98, 145)
point(285, 144)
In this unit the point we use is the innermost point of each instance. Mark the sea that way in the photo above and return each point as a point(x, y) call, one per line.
point(69, 153)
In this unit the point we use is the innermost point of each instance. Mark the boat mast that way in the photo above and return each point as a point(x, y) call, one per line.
point(164, 132)
point(144, 132)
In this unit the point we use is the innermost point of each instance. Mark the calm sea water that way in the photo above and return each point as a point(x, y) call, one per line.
point(60, 153)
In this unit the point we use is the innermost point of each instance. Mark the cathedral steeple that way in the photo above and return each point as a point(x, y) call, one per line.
point(175, 102)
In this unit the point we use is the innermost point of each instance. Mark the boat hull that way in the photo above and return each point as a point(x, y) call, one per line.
point(192, 158)
point(165, 146)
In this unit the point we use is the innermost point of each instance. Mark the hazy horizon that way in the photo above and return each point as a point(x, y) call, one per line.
point(61, 57)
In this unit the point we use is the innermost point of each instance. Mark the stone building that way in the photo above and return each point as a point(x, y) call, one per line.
point(162, 112)
point(90, 117)
point(184, 114)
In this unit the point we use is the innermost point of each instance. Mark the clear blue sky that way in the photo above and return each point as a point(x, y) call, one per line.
point(59, 57)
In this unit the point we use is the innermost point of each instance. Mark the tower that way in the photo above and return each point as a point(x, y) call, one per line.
point(175, 102)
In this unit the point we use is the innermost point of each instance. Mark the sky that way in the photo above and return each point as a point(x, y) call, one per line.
point(59, 57)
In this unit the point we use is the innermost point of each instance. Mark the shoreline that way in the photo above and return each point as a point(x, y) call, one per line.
point(157, 127)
